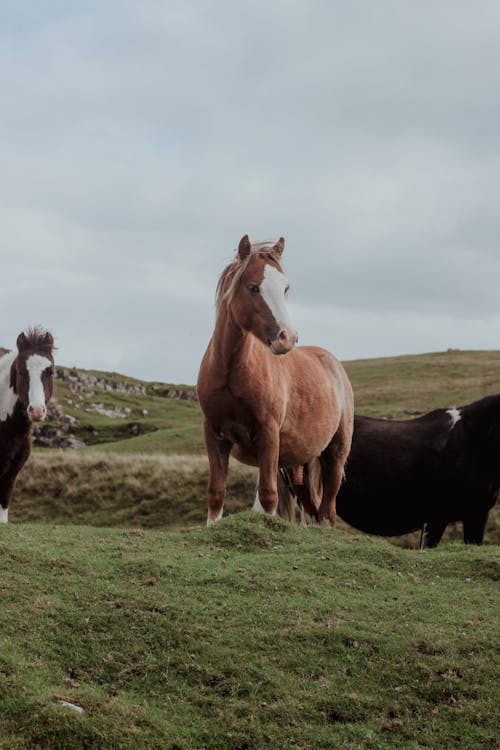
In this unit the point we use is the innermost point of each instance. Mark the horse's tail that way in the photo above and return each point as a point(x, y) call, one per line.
point(305, 497)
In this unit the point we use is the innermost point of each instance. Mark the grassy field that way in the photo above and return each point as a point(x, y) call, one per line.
point(251, 634)
point(139, 491)
point(143, 481)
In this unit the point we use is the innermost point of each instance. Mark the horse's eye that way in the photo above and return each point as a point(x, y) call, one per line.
point(48, 371)
point(287, 290)
point(254, 288)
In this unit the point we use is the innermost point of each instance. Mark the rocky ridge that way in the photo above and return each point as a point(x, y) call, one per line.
point(86, 391)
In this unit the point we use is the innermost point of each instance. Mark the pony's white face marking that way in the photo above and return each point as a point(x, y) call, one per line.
point(272, 288)
point(4, 515)
point(455, 415)
point(36, 364)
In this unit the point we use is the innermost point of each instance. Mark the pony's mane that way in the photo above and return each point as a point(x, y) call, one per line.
point(39, 339)
point(231, 275)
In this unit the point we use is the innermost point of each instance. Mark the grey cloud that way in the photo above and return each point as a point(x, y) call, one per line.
point(140, 142)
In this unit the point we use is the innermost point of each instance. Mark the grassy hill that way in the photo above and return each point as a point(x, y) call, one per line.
point(251, 634)
point(147, 467)
point(154, 422)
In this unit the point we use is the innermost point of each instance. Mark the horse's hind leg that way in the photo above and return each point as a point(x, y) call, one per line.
point(332, 462)
point(474, 526)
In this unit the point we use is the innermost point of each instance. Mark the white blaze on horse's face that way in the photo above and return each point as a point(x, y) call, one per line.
point(273, 288)
point(35, 365)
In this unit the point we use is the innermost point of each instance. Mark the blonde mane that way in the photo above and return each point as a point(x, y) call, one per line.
point(229, 278)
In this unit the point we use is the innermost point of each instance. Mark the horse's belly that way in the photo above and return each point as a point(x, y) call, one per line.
point(299, 450)
point(303, 439)
point(245, 454)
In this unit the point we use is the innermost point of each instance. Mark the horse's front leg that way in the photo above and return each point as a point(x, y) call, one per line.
point(218, 451)
point(269, 441)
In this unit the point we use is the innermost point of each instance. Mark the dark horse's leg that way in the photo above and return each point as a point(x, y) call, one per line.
point(8, 480)
point(432, 531)
point(474, 526)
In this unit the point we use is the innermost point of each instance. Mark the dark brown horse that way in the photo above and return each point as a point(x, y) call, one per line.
point(266, 410)
point(411, 474)
point(26, 381)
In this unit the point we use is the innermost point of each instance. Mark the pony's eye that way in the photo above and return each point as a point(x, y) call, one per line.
point(254, 288)
point(287, 290)
point(48, 371)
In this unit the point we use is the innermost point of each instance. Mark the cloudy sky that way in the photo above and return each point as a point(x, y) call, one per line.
point(140, 140)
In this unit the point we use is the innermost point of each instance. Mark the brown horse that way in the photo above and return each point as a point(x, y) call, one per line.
point(269, 411)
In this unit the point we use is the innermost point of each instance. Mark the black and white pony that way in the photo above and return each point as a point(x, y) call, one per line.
point(415, 474)
point(26, 382)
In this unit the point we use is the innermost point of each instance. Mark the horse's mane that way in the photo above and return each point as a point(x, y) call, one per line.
point(231, 275)
point(39, 339)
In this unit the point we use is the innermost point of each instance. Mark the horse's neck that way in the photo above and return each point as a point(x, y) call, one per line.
point(8, 398)
point(229, 344)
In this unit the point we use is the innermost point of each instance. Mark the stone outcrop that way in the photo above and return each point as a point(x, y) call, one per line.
point(86, 383)
point(58, 431)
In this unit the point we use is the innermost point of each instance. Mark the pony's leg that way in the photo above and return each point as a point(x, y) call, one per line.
point(7, 483)
point(332, 462)
point(218, 458)
point(268, 470)
point(286, 501)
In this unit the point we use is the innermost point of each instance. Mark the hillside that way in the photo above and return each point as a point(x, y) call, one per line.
point(145, 464)
point(251, 634)
point(115, 413)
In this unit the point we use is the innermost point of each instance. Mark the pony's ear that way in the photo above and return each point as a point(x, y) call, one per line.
point(22, 342)
point(244, 247)
point(279, 247)
point(48, 339)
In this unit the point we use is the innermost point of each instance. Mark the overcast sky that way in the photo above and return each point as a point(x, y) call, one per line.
point(140, 140)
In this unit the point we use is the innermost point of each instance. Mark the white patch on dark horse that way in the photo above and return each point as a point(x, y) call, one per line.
point(8, 398)
point(35, 365)
point(455, 415)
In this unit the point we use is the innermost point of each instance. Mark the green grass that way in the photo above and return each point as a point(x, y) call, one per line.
point(148, 491)
point(250, 634)
point(397, 387)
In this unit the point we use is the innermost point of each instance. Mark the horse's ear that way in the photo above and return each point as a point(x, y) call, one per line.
point(48, 339)
point(22, 342)
point(244, 247)
point(279, 247)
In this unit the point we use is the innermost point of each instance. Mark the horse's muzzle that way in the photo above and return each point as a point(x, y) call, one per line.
point(37, 413)
point(284, 341)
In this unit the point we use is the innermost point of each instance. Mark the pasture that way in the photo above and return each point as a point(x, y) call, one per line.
point(253, 633)
point(250, 634)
